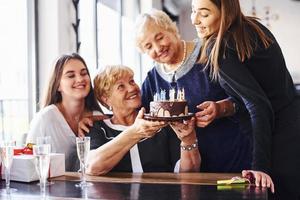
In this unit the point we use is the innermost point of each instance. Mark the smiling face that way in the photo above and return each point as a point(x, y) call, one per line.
point(206, 17)
point(75, 80)
point(161, 45)
point(125, 94)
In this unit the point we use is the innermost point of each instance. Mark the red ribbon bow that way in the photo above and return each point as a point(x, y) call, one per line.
point(26, 150)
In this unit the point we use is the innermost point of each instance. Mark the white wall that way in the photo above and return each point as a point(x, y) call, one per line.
point(87, 33)
point(186, 28)
point(56, 35)
point(286, 28)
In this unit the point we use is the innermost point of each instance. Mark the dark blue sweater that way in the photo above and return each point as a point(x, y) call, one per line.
point(223, 147)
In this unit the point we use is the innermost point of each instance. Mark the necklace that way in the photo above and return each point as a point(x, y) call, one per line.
point(181, 62)
point(71, 120)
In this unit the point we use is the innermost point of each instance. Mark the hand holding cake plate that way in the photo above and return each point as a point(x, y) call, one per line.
point(148, 116)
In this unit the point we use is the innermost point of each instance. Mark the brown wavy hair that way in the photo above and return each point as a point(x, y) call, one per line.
point(53, 96)
point(234, 24)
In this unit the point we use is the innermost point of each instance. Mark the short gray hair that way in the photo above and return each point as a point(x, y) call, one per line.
point(107, 78)
point(159, 18)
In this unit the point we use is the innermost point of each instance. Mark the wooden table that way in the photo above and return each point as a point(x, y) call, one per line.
point(144, 186)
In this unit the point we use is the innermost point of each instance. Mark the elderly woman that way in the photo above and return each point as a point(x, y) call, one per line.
point(127, 142)
point(224, 148)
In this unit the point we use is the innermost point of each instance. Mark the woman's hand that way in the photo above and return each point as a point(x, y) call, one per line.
point(189, 154)
point(209, 111)
point(260, 178)
point(86, 123)
point(185, 131)
point(144, 128)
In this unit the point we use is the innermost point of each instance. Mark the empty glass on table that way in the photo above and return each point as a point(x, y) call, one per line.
point(6, 154)
point(83, 148)
point(45, 140)
point(42, 163)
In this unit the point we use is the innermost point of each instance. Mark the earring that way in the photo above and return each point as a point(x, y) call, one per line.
point(110, 108)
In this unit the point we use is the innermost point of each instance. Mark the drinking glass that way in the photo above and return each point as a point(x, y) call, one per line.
point(42, 163)
point(45, 140)
point(6, 154)
point(83, 148)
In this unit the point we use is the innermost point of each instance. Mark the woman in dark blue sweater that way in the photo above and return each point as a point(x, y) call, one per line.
point(247, 60)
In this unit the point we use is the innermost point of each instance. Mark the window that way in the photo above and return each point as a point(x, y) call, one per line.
point(115, 28)
point(108, 32)
point(17, 79)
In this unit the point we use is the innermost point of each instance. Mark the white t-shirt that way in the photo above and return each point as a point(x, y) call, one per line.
point(49, 121)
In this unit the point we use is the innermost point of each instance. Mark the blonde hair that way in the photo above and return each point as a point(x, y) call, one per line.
point(233, 24)
point(106, 79)
point(158, 18)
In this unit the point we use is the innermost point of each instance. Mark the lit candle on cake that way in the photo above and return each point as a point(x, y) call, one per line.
point(163, 95)
point(179, 94)
point(155, 97)
point(172, 94)
point(182, 96)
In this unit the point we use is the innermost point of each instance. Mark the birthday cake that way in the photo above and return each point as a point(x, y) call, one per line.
point(168, 108)
point(172, 107)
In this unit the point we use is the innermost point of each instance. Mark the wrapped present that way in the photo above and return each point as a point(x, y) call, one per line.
point(27, 150)
point(23, 167)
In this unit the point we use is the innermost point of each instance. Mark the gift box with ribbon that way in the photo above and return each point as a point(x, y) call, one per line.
point(23, 167)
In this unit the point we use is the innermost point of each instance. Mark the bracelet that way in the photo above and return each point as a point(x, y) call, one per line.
point(190, 147)
point(234, 107)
